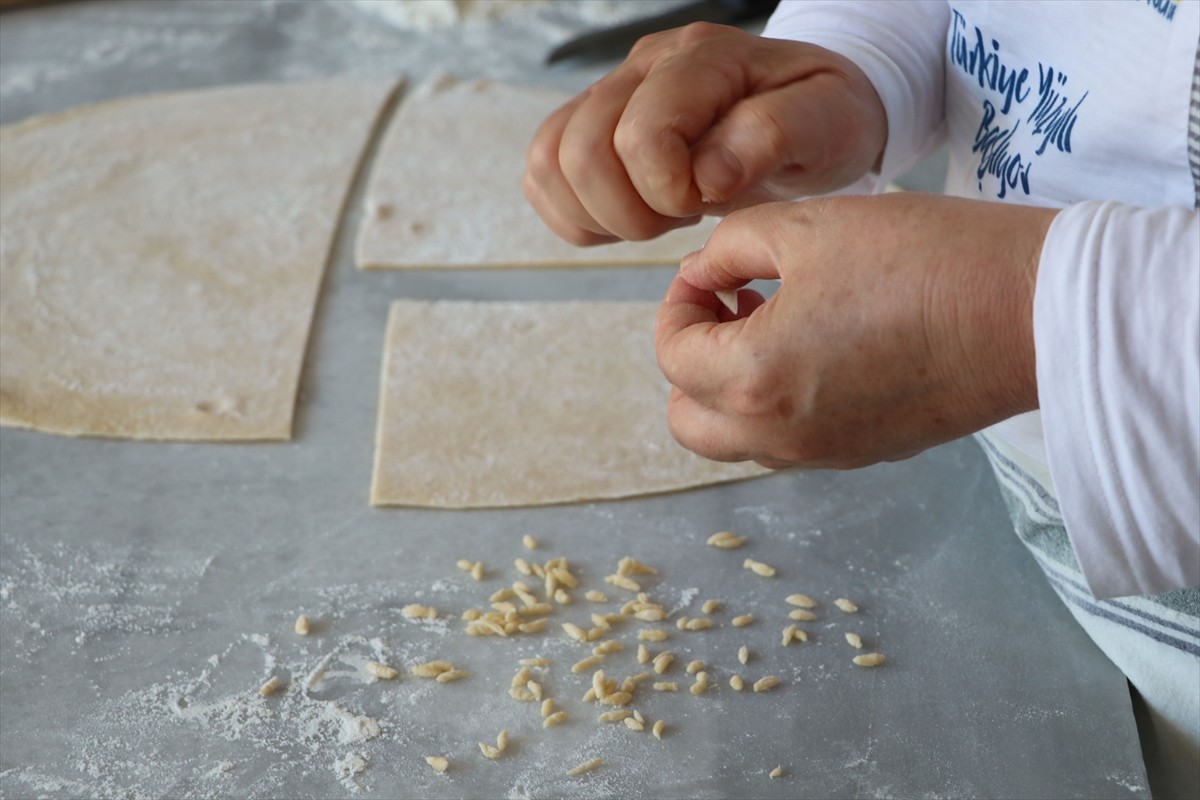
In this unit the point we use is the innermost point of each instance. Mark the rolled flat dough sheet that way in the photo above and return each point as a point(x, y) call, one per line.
point(160, 256)
point(515, 404)
point(445, 188)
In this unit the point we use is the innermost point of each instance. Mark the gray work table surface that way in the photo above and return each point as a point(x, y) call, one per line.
point(148, 589)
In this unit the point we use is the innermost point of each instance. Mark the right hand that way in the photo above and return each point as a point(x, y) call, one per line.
point(702, 119)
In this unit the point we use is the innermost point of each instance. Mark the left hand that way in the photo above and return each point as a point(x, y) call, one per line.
point(903, 321)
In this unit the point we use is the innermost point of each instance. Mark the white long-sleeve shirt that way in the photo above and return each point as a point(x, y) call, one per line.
point(1082, 106)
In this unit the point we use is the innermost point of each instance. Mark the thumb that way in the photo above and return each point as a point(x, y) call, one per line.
point(739, 250)
point(803, 135)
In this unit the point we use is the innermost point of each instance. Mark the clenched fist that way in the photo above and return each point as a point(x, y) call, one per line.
point(701, 119)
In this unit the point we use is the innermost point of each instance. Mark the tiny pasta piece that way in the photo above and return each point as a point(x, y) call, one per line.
point(593, 596)
point(451, 675)
point(694, 666)
point(775, 773)
point(681, 623)
point(537, 569)
point(802, 614)
point(534, 662)
point(869, 659)
point(599, 683)
point(638, 716)
point(564, 576)
point(536, 626)
point(601, 621)
point(464, 564)
point(529, 542)
point(597, 633)
point(472, 614)
point(846, 605)
point(537, 609)
point(631, 682)
point(585, 664)
point(557, 718)
point(742, 620)
point(662, 661)
point(665, 686)
point(643, 655)
point(699, 624)
point(657, 730)
point(623, 582)
point(759, 568)
point(737, 683)
point(502, 593)
point(477, 571)
point(561, 597)
point(802, 600)
point(634, 725)
point(489, 751)
point(522, 566)
point(710, 606)
point(271, 686)
point(631, 566)
point(701, 684)
point(575, 632)
point(522, 677)
point(527, 599)
point(854, 640)
point(534, 688)
point(439, 763)
point(726, 540)
point(381, 671)
point(615, 699)
point(504, 607)
point(302, 625)
point(431, 669)
point(586, 766)
point(609, 646)
point(502, 740)
point(615, 716)
point(652, 635)
point(743, 654)
point(418, 611)
point(522, 694)
point(766, 684)
point(788, 634)
point(652, 614)
point(547, 706)
point(800, 636)
point(589, 696)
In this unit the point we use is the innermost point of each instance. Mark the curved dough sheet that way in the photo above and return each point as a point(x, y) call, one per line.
point(445, 188)
point(515, 404)
point(160, 256)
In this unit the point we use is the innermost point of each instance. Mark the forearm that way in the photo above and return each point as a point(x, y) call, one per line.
point(900, 46)
point(1117, 336)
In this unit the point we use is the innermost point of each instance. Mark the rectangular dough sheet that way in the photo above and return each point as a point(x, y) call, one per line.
point(160, 256)
point(517, 404)
point(445, 188)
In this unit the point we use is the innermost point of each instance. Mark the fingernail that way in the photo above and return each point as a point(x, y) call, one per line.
point(719, 173)
point(686, 262)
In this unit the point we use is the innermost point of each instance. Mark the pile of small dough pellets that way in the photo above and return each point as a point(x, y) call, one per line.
point(518, 610)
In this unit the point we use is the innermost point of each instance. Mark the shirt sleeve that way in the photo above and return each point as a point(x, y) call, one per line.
point(1117, 336)
point(901, 48)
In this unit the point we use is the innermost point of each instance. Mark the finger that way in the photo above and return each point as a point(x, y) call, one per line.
point(680, 99)
point(547, 189)
point(714, 435)
point(591, 167)
point(740, 249)
point(696, 352)
point(557, 219)
point(801, 130)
